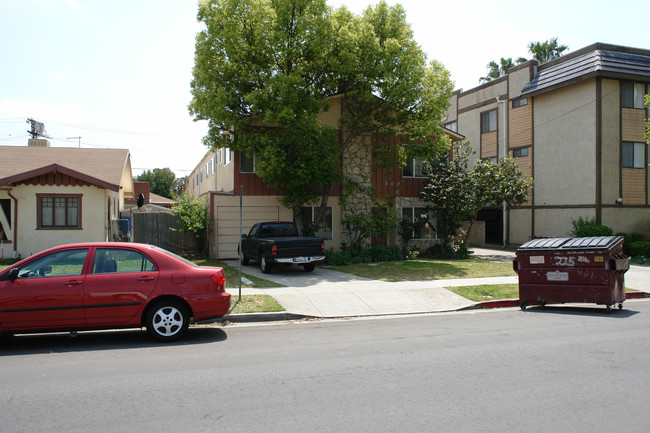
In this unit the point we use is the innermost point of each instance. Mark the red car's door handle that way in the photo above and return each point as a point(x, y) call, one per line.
point(73, 283)
point(145, 278)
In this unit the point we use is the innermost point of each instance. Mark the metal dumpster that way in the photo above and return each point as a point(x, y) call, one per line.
point(562, 270)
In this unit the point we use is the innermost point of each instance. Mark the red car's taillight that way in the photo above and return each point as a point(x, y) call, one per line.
point(220, 279)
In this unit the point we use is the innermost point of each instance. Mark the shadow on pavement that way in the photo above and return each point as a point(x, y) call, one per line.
point(29, 344)
point(591, 311)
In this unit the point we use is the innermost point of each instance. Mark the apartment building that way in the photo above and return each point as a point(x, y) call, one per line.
point(576, 125)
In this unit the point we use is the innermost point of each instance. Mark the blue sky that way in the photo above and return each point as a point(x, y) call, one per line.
point(117, 73)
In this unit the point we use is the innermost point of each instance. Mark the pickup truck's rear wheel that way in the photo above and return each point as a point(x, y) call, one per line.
point(243, 258)
point(309, 267)
point(265, 265)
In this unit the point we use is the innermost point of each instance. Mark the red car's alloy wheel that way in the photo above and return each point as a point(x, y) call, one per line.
point(167, 321)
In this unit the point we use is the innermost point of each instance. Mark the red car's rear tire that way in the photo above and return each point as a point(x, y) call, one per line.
point(167, 320)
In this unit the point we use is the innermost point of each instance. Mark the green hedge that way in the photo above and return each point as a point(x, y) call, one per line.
point(365, 255)
point(640, 248)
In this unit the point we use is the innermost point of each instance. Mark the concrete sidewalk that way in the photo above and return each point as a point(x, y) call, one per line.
point(327, 293)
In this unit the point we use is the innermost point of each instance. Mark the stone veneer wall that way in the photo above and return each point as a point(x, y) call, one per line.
point(356, 167)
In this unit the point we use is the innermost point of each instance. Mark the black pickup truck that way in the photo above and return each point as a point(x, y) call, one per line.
point(278, 242)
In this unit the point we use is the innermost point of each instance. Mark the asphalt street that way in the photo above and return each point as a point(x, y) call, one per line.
point(554, 369)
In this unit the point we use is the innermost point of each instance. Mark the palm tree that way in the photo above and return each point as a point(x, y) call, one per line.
point(496, 70)
point(545, 51)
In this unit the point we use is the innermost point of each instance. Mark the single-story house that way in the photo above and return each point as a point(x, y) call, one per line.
point(58, 195)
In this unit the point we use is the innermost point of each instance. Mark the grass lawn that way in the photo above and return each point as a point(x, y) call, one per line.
point(254, 304)
point(487, 292)
point(415, 270)
point(490, 291)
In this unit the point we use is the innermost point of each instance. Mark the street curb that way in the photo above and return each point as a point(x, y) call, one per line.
point(504, 303)
point(285, 316)
point(261, 317)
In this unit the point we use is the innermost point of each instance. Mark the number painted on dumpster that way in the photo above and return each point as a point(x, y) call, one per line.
point(565, 261)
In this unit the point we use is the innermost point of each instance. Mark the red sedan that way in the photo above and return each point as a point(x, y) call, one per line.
point(109, 285)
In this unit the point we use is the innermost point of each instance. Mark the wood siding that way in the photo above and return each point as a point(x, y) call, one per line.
point(54, 179)
point(520, 132)
point(489, 145)
point(525, 163)
point(634, 190)
point(254, 185)
point(633, 124)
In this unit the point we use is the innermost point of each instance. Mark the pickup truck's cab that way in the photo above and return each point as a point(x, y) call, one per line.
point(278, 242)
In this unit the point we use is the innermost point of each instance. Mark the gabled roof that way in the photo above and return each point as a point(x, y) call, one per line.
point(596, 60)
point(100, 167)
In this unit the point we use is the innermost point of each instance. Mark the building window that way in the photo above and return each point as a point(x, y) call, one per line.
point(632, 95)
point(246, 163)
point(632, 155)
point(520, 153)
point(59, 212)
point(519, 102)
point(324, 230)
point(413, 168)
point(488, 121)
point(453, 126)
point(422, 223)
point(227, 156)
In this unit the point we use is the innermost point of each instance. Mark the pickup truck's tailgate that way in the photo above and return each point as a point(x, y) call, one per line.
point(291, 247)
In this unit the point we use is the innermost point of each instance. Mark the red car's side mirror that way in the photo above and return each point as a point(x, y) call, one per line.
point(13, 274)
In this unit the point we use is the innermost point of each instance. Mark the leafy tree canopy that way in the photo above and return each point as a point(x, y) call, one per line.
point(459, 192)
point(264, 70)
point(161, 181)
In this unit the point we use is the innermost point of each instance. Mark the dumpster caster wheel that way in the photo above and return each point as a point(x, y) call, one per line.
point(523, 305)
point(608, 308)
point(620, 306)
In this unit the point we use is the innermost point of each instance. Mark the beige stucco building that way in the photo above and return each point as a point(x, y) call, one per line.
point(576, 125)
point(52, 195)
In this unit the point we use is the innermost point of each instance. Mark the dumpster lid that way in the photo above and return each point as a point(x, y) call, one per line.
point(595, 242)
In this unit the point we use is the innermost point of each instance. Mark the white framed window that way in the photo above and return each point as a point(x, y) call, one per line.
point(632, 154)
point(488, 121)
point(424, 224)
point(413, 168)
point(227, 157)
point(324, 230)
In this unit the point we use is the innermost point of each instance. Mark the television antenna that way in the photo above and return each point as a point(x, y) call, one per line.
point(78, 138)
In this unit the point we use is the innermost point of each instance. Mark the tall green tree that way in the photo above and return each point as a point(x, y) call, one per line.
point(161, 181)
point(547, 50)
point(265, 68)
point(458, 192)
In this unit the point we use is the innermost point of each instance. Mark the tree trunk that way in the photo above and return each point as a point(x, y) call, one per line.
point(297, 216)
